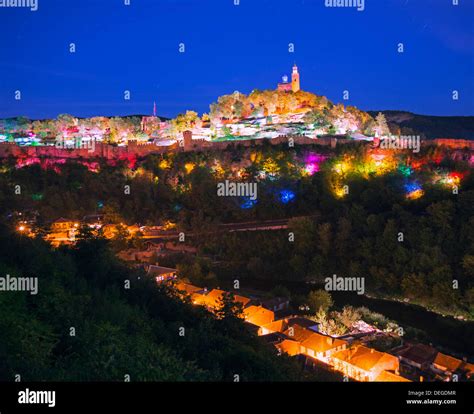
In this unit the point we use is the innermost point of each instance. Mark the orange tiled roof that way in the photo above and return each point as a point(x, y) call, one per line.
point(242, 299)
point(322, 343)
point(283, 325)
point(446, 361)
point(298, 333)
point(289, 347)
point(276, 326)
point(364, 358)
point(468, 368)
point(258, 316)
point(213, 298)
point(387, 376)
point(200, 299)
point(188, 288)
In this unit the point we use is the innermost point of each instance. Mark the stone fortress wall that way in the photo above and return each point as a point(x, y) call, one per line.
point(187, 144)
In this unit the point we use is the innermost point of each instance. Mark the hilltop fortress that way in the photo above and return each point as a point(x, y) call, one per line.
point(294, 86)
point(284, 115)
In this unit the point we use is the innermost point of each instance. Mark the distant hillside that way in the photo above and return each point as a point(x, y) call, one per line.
point(432, 126)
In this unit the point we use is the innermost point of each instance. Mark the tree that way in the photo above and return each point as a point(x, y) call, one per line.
point(468, 264)
point(342, 238)
point(303, 230)
point(321, 316)
point(381, 127)
point(324, 238)
point(270, 166)
point(319, 299)
point(65, 120)
point(316, 118)
point(442, 214)
point(185, 121)
point(329, 326)
point(444, 295)
point(280, 291)
point(120, 237)
point(333, 328)
point(227, 132)
point(414, 285)
point(348, 316)
point(228, 307)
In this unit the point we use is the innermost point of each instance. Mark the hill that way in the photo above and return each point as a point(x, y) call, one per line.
point(431, 127)
point(84, 324)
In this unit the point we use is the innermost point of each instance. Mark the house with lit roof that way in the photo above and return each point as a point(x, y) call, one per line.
point(188, 290)
point(322, 347)
point(259, 316)
point(282, 325)
point(387, 376)
point(301, 338)
point(448, 366)
point(212, 299)
point(364, 364)
point(161, 273)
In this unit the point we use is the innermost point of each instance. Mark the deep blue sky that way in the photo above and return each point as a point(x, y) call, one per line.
point(232, 48)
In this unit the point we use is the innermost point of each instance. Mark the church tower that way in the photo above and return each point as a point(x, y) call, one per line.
point(295, 79)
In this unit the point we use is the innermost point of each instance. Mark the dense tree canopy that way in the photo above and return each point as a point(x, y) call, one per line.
point(417, 249)
point(86, 324)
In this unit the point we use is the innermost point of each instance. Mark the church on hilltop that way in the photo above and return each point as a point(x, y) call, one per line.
point(294, 85)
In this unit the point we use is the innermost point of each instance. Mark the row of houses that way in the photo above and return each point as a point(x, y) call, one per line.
point(299, 336)
point(351, 356)
point(425, 361)
point(257, 312)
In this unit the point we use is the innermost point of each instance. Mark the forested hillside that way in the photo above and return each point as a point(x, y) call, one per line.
point(84, 324)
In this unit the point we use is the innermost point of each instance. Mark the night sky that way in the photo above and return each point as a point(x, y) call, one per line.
point(230, 48)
